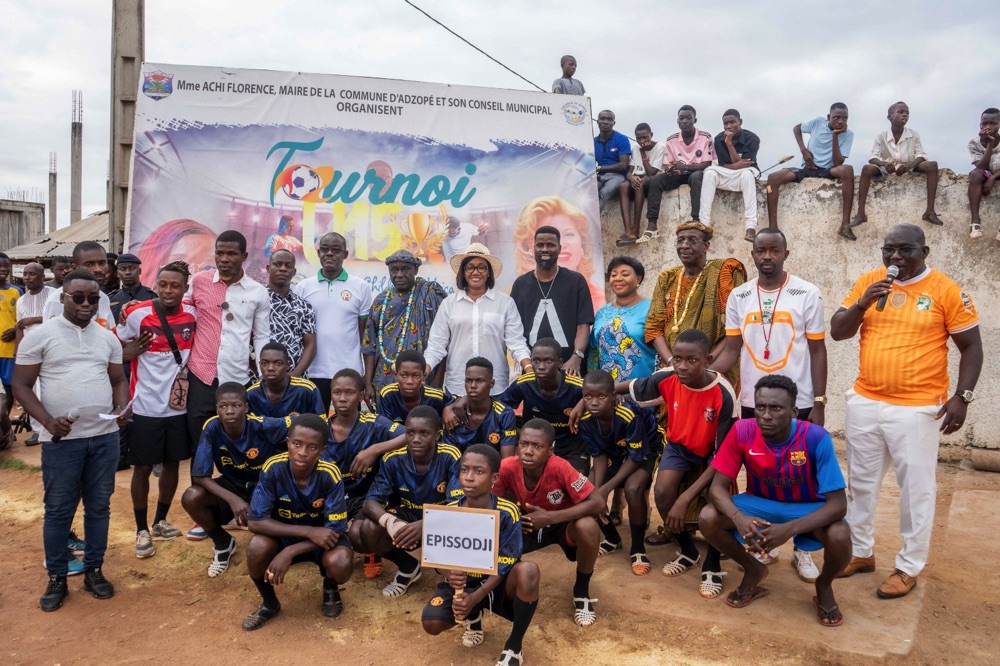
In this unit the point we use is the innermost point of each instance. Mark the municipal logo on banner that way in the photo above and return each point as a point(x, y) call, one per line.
point(157, 85)
point(574, 113)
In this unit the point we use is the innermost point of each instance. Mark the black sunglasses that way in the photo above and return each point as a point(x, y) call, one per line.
point(93, 299)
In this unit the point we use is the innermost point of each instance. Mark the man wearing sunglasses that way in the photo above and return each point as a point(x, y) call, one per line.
point(78, 366)
point(899, 406)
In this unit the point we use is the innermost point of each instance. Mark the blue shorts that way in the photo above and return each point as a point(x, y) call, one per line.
point(679, 458)
point(6, 371)
point(778, 512)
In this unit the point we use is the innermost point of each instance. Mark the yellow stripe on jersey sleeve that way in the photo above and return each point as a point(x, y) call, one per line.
point(509, 507)
point(526, 377)
point(574, 380)
point(389, 388)
point(448, 448)
point(273, 460)
point(209, 420)
point(329, 468)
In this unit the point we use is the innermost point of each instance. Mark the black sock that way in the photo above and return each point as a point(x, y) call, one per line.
point(267, 593)
point(220, 538)
point(523, 612)
point(140, 520)
point(581, 588)
point(712, 560)
point(638, 533)
point(611, 533)
point(688, 549)
point(406, 562)
point(329, 583)
point(161, 512)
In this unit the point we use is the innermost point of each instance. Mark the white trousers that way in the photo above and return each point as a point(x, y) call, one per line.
point(878, 434)
point(731, 180)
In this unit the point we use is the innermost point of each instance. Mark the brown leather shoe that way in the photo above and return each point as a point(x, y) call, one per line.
point(858, 565)
point(898, 584)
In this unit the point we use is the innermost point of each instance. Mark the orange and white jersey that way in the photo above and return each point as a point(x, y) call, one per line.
point(776, 327)
point(904, 348)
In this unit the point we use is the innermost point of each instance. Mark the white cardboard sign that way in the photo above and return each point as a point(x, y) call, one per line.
point(461, 539)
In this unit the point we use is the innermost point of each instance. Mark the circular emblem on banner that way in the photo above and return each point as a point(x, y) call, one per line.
point(252, 453)
point(574, 113)
point(494, 438)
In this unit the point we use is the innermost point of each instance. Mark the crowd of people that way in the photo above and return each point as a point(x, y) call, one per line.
point(322, 418)
point(639, 174)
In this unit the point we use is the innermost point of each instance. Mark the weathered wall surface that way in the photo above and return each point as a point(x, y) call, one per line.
point(809, 214)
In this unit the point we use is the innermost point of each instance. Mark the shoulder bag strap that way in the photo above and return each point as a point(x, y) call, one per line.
point(158, 307)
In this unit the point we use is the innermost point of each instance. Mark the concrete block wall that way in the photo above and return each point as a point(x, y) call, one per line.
point(809, 214)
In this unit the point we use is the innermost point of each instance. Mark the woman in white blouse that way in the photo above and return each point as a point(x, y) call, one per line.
point(477, 320)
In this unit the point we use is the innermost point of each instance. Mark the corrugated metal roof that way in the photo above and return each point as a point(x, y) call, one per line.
point(62, 241)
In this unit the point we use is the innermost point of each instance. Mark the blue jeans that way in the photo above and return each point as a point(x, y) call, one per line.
point(75, 469)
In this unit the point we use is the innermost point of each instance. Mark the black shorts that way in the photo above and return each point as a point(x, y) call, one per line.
point(407, 514)
point(439, 606)
point(154, 440)
point(806, 172)
point(354, 506)
point(242, 490)
point(648, 464)
point(679, 458)
point(551, 535)
point(574, 451)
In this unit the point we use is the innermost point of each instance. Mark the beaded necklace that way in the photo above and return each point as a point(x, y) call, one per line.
point(687, 302)
point(403, 328)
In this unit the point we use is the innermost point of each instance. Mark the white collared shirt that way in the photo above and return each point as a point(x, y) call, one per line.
point(908, 149)
point(222, 346)
point(487, 327)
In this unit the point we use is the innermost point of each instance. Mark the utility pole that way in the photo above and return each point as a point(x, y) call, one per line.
point(128, 37)
point(52, 192)
point(76, 158)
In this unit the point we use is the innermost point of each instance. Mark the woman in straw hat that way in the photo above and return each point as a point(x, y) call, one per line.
point(477, 320)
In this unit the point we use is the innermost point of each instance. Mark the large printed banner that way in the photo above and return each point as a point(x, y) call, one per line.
point(286, 157)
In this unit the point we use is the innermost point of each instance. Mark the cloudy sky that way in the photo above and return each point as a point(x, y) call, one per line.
point(778, 62)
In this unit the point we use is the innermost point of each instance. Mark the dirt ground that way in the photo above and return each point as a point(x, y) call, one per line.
point(167, 608)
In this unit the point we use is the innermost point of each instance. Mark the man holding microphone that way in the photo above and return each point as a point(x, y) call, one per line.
point(899, 405)
point(78, 366)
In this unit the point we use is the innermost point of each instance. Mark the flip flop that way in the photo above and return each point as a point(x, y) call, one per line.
point(848, 234)
point(658, 538)
point(824, 615)
point(625, 240)
point(933, 218)
point(737, 599)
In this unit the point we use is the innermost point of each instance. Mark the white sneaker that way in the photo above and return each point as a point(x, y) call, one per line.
point(144, 545)
point(804, 565)
point(768, 556)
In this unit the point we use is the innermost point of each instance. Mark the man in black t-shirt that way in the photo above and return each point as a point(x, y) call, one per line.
point(555, 302)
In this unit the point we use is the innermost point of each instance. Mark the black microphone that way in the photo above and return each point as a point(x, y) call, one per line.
point(891, 274)
point(73, 415)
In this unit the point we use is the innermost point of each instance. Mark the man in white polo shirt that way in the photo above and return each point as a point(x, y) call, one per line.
point(342, 303)
point(777, 321)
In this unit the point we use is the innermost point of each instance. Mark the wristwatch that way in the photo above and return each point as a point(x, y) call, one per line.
point(821, 399)
point(967, 396)
point(582, 356)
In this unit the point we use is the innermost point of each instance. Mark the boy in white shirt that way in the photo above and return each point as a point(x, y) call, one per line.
point(898, 150)
point(645, 163)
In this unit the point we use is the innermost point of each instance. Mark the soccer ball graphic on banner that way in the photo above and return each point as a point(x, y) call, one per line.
point(300, 181)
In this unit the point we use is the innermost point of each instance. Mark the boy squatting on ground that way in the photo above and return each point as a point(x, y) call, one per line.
point(298, 514)
point(512, 593)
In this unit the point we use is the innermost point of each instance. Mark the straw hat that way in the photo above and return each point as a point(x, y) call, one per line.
point(477, 250)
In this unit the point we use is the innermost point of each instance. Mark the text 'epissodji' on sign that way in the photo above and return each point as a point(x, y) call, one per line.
point(461, 539)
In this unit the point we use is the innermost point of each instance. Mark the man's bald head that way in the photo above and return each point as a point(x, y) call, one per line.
point(907, 232)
